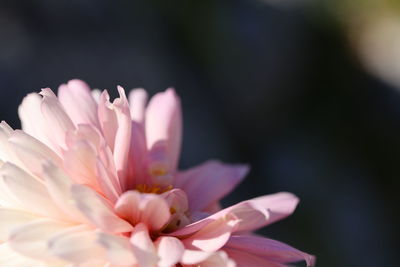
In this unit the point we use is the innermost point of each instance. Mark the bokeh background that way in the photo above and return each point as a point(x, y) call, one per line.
point(306, 91)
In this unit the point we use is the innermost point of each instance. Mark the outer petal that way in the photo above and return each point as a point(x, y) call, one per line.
point(97, 210)
point(31, 152)
point(279, 205)
point(164, 123)
point(209, 182)
point(78, 102)
point(32, 120)
point(254, 213)
point(59, 184)
point(57, 122)
point(245, 259)
point(269, 249)
point(31, 239)
point(11, 258)
point(214, 235)
point(170, 251)
point(143, 247)
point(149, 209)
point(206, 259)
point(10, 218)
point(78, 245)
point(30, 192)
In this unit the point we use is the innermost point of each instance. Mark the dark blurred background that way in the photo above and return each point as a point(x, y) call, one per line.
point(307, 92)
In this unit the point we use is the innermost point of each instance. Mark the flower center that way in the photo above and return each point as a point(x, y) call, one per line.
point(153, 189)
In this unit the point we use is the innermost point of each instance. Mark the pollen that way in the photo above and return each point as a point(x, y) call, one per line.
point(153, 189)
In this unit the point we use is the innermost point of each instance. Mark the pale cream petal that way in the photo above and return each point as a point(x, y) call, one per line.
point(31, 239)
point(29, 191)
point(119, 250)
point(97, 210)
point(11, 218)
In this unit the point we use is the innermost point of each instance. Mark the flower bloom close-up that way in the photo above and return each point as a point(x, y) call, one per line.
point(90, 182)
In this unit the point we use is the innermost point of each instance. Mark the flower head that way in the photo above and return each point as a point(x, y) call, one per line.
point(89, 182)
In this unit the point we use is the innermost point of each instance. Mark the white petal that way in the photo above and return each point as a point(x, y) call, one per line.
point(170, 251)
point(143, 247)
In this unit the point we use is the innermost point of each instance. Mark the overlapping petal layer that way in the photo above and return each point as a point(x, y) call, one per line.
point(90, 182)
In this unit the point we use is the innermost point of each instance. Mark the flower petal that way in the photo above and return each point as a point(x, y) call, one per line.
point(32, 120)
point(207, 259)
point(209, 182)
point(57, 122)
point(245, 259)
point(213, 236)
point(118, 249)
point(31, 239)
point(253, 214)
point(170, 251)
point(269, 249)
point(137, 103)
point(149, 209)
point(31, 152)
point(11, 218)
point(77, 245)
point(97, 210)
point(143, 247)
point(78, 102)
point(164, 123)
point(30, 192)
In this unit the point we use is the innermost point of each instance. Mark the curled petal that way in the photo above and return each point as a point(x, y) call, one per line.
point(150, 209)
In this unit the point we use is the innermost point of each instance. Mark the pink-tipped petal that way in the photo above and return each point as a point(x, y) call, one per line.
point(170, 251)
point(269, 249)
point(149, 209)
point(137, 103)
point(143, 247)
point(213, 236)
point(164, 123)
point(196, 182)
point(97, 210)
point(78, 102)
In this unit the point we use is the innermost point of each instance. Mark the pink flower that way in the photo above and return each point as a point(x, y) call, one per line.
point(89, 182)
